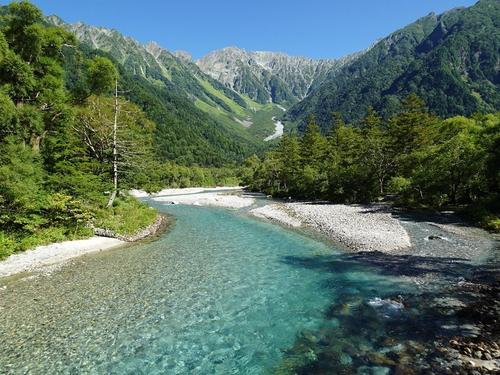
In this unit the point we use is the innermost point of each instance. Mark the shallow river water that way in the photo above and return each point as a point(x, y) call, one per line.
point(220, 293)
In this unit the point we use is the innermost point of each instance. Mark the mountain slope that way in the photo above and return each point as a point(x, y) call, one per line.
point(267, 76)
point(452, 61)
point(207, 122)
point(150, 61)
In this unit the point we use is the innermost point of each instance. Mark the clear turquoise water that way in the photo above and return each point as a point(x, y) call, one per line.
point(221, 293)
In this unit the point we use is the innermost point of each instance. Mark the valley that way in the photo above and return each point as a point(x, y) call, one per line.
point(249, 211)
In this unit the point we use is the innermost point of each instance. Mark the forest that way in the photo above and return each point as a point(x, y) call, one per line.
point(415, 159)
point(55, 144)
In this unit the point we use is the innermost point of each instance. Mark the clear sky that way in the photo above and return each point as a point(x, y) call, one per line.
point(315, 28)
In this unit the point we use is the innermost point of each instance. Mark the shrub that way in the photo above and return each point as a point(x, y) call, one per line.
point(126, 217)
point(398, 185)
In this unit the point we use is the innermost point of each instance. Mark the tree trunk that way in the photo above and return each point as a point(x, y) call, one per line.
point(115, 151)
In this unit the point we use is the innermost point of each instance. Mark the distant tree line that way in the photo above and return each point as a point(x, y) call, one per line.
point(415, 156)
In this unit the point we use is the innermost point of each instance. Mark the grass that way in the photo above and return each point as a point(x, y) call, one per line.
point(126, 217)
point(263, 124)
point(15, 242)
point(235, 107)
point(262, 118)
point(260, 114)
point(482, 217)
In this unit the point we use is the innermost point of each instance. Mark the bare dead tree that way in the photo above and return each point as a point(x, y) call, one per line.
point(115, 149)
point(117, 134)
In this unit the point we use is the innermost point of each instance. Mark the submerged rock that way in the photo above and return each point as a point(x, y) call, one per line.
point(434, 237)
point(388, 305)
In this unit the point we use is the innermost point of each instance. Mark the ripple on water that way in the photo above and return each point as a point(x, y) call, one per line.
point(220, 293)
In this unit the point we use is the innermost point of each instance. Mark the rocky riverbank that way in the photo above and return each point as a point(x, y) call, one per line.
point(50, 257)
point(158, 227)
point(380, 227)
point(355, 226)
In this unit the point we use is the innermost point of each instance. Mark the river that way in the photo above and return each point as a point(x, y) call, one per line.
point(220, 293)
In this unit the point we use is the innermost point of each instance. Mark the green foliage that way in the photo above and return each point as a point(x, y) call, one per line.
point(481, 214)
point(3, 47)
point(398, 185)
point(101, 75)
point(126, 217)
point(20, 186)
point(16, 76)
point(8, 116)
point(53, 183)
point(178, 176)
point(491, 222)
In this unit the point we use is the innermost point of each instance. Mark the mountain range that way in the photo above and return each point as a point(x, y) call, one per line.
point(268, 76)
point(228, 102)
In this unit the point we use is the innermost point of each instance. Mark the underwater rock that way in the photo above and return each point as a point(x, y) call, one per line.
point(380, 359)
point(386, 306)
point(310, 337)
point(434, 237)
point(345, 359)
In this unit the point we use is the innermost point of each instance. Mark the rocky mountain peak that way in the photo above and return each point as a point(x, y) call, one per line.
point(265, 75)
point(183, 55)
point(154, 49)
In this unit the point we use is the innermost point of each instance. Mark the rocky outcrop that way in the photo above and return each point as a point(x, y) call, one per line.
point(154, 229)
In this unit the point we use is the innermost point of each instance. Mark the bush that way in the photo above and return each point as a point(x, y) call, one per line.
point(126, 217)
point(7, 245)
point(398, 185)
point(483, 217)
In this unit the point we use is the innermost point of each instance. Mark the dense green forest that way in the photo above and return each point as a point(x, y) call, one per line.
point(417, 157)
point(55, 146)
point(449, 60)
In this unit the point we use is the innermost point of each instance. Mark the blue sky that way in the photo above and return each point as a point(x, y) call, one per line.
point(315, 28)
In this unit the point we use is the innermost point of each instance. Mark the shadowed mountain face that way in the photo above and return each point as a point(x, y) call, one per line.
point(451, 60)
point(268, 76)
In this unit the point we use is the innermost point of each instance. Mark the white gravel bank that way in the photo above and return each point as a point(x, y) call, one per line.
point(208, 199)
point(57, 253)
point(358, 227)
point(277, 213)
point(183, 191)
point(215, 197)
